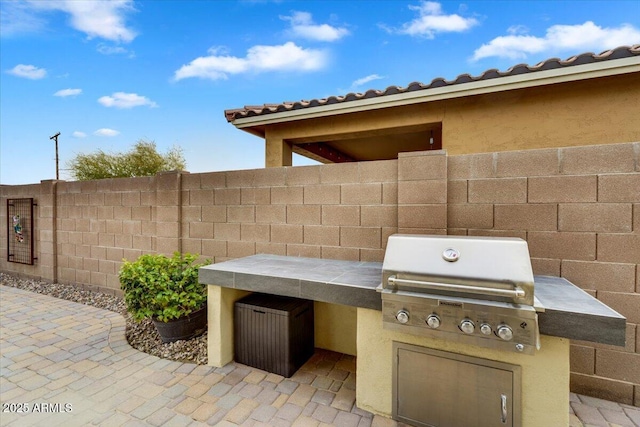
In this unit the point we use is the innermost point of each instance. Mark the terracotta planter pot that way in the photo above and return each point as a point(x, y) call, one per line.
point(185, 328)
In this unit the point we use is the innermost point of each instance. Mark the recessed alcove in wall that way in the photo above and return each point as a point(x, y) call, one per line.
point(379, 144)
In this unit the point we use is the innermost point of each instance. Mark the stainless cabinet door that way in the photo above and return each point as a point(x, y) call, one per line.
point(440, 389)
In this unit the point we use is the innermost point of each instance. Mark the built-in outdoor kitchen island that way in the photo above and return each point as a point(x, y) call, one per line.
point(538, 382)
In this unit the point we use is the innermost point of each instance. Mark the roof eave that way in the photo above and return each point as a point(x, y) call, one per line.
point(501, 84)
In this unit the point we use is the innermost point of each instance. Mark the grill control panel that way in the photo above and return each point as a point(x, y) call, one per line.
point(483, 323)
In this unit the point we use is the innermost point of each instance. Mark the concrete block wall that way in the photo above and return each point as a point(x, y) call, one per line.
point(44, 214)
point(340, 211)
point(422, 192)
point(100, 223)
point(579, 210)
point(86, 229)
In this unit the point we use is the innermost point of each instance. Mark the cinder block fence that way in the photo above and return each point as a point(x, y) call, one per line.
point(578, 208)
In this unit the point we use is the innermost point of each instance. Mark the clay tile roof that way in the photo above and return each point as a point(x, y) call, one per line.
point(549, 64)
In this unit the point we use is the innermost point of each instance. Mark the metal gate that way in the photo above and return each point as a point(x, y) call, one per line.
point(20, 231)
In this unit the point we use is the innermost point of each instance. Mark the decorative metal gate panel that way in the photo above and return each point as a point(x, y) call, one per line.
point(20, 231)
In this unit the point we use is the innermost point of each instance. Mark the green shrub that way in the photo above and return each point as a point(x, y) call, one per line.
point(162, 288)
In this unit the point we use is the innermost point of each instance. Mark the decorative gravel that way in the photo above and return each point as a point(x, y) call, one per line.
point(142, 336)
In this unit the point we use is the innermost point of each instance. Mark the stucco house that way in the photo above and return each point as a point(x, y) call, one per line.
point(584, 100)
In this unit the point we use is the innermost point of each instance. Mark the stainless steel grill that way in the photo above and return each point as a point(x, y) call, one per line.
point(478, 290)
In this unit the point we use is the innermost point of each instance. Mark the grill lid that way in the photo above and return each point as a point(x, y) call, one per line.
point(486, 267)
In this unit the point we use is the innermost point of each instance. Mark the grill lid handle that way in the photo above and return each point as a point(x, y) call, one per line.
point(516, 293)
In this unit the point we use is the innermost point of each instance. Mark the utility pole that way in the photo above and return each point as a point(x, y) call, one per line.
point(55, 137)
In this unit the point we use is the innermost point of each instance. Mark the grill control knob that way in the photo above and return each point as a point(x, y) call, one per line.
point(433, 321)
point(467, 326)
point(505, 332)
point(402, 316)
point(485, 328)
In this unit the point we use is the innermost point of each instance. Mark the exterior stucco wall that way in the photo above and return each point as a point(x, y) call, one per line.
point(335, 327)
point(592, 112)
point(597, 111)
point(220, 308)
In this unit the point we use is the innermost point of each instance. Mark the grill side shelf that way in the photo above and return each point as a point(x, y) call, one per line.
point(570, 312)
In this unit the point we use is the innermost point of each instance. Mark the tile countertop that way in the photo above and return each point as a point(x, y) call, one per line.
point(340, 282)
point(569, 312)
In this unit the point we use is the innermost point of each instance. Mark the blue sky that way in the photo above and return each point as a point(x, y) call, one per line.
point(109, 73)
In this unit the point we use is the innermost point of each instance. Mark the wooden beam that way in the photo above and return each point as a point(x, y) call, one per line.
point(326, 152)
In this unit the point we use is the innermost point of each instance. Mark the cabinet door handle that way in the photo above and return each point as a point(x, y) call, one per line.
point(503, 407)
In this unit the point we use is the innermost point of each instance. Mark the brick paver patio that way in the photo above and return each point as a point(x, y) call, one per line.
point(68, 364)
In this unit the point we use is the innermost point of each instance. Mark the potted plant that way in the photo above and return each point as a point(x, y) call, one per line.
point(166, 290)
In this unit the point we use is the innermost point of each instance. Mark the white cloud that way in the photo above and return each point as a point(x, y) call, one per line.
point(114, 50)
point(259, 59)
point(365, 80)
point(18, 18)
point(126, 100)
point(517, 29)
point(302, 26)
point(218, 50)
point(102, 19)
point(575, 38)
point(513, 47)
point(28, 72)
point(78, 134)
point(68, 92)
point(106, 132)
point(432, 20)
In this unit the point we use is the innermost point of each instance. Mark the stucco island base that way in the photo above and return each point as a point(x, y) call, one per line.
point(220, 324)
point(545, 375)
